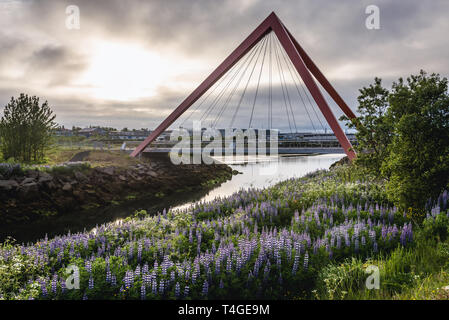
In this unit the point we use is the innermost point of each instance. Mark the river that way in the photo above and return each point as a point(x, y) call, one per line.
point(261, 172)
point(256, 172)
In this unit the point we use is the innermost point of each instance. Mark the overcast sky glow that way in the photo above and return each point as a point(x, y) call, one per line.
point(132, 62)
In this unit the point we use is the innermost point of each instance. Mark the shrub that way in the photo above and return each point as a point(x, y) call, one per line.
point(25, 129)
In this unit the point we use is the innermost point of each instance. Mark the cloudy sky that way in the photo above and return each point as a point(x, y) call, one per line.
point(132, 62)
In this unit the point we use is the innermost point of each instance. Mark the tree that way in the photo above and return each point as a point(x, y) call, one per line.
point(25, 129)
point(418, 160)
point(374, 131)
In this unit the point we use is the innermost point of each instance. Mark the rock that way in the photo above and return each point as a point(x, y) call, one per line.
point(44, 177)
point(108, 170)
point(8, 184)
point(27, 180)
point(123, 178)
point(152, 173)
point(29, 190)
point(51, 185)
point(80, 196)
point(67, 187)
point(80, 176)
point(32, 174)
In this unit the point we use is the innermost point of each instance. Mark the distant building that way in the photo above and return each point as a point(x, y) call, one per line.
point(129, 135)
point(312, 137)
point(62, 132)
point(89, 132)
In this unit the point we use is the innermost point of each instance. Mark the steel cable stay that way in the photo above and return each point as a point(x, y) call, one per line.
point(312, 105)
point(282, 86)
point(246, 86)
point(222, 80)
point(258, 83)
point(286, 87)
point(286, 60)
point(231, 94)
point(217, 98)
point(208, 95)
point(228, 85)
point(209, 111)
point(270, 85)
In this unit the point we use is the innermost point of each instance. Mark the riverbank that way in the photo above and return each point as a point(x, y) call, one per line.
point(306, 238)
point(95, 179)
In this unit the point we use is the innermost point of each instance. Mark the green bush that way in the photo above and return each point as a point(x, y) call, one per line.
point(25, 129)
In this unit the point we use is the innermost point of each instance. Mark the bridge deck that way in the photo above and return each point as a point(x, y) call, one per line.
point(280, 150)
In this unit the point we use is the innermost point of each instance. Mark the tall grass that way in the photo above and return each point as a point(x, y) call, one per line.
point(418, 272)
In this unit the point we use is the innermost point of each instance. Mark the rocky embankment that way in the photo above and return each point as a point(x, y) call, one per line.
point(34, 194)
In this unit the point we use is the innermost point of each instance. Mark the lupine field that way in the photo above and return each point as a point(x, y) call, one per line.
point(268, 244)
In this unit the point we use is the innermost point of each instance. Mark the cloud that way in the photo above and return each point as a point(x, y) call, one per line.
point(40, 56)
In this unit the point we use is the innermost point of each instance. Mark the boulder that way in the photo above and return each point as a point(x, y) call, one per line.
point(44, 177)
point(80, 176)
point(8, 184)
point(29, 190)
point(27, 180)
point(67, 187)
point(108, 170)
point(152, 173)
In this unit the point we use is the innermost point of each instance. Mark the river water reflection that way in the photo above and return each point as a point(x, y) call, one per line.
point(261, 172)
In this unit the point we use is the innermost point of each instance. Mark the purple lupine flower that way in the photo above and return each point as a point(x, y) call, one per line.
point(266, 271)
point(139, 253)
point(384, 232)
point(186, 291)
point(161, 287)
point(205, 288)
point(88, 266)
point(54, 284)
point(91, 283)
point(221, 285)
point(229, 265)
point(306, 260)
point(154, 287)
point(44, 288)
point(177, 290)
point(142, 292)
point(63, 287)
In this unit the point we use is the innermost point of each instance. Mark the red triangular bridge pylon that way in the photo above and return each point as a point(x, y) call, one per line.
point(303, 64)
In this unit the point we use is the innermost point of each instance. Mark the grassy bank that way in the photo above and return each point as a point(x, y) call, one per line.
point(307, 238)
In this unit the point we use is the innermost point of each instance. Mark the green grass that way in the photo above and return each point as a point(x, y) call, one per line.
point(419, 272)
